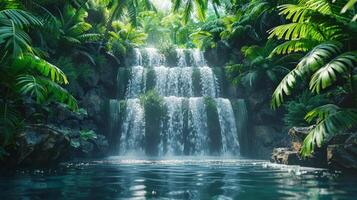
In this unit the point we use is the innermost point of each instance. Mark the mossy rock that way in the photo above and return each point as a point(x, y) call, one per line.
point(123, 77)
point(196, 82)
point(154, 108)
point(214, 128)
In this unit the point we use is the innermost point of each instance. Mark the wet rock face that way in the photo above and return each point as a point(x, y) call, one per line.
point(343, 156)
point(42, 145)
point(265, 138)
point(46, 145)
point(297, 135)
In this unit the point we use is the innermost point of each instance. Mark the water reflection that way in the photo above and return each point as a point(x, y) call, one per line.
point(209, 178)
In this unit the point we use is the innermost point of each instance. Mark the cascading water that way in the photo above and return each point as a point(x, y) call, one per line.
point(137, 82)
point(181, 58)
point(198, 58)
point(198, 123)
point(133, 129)
point(228, 125)
point(175, 125)
point(138, 57)
point(154, 57)
point(208, 82)
point(185, 128)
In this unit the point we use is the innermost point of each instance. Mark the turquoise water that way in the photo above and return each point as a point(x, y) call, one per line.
point(178, 178)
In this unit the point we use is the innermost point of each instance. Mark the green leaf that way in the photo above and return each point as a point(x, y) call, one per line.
point(34, 63)
point(327, 75)
point(88, 134)
point(314, 60)
point(331, 120)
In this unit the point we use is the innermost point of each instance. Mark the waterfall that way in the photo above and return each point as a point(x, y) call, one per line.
point(175, 126)
point(137, 82)
point(133, 130)
point(138, 57)
point(154, 57)
point(208, 82)
point(198, 58)
point(181, 58)
point(186, 88)
point(198, 124)
point(182, 128)
point(228, 125)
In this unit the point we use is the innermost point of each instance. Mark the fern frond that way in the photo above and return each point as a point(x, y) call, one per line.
point(297, 30)
point(14, 38)
point(349, 5)
point(20, 18)
point(331, 121)
point(29, 85)
point(315, 59)
point(327, 75)
point(41, 66)
point(299, 45)
point(60, 94)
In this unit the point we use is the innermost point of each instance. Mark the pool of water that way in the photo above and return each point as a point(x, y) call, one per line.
point(177, 178)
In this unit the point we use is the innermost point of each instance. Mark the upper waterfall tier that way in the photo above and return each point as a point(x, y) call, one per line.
point(188, 77)
point(175, 81)
point(151, 57)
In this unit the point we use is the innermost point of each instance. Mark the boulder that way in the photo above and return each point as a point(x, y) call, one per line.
point(90, 148)
point(288, 156)
point(42, 145)
point(297, 135)
point(343, 156)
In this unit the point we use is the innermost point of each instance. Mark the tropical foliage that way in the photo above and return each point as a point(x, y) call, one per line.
point(327, 34)
point(303, 52)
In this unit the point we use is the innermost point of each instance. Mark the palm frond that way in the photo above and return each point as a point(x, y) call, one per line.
point(20, 18)
point(291, 46)
point(41, 66)
point(14, 39)
point(43, 89)
point(29, 85)
point(297, 30)
point(59, 94)
point(331, 121)
point(327, 75)
point(349, 5)
point(315, 59)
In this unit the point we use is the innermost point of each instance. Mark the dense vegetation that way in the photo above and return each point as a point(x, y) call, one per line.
point(303, 52)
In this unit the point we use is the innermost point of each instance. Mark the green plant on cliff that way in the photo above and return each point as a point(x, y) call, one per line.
point(327, 36)
point(213, 125)
point(154, 107)
point(258, 68)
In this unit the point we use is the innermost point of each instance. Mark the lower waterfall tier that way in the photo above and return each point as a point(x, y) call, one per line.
point(155, 125)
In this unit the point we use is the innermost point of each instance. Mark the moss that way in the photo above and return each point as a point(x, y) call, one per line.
point(155, 110)
point(115, 111)
point(123, 78)
point(185, 110)
point(196, 82)
point(150, 79)
point(214, 128)
point(169, 51)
